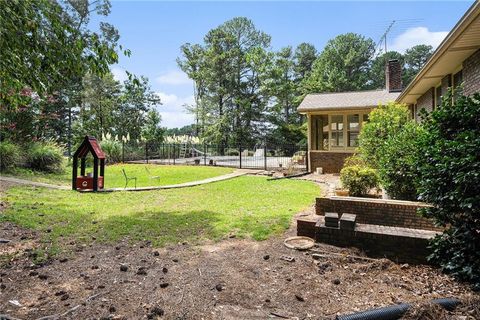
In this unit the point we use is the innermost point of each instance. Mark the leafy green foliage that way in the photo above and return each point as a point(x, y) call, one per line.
point(45, 156)
point(112, 149)
point(415, 58)
point(45, 45)
point(450, 181)
point(398, 162)
point(342, 66)
point(9, 155)
point(358, 179)
point(384, 123)
point(151, 130)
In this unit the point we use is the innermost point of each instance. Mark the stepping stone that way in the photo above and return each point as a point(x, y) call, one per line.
point(347, 221)
point(331, 219)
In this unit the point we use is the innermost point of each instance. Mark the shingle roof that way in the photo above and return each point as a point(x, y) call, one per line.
point(346, 100)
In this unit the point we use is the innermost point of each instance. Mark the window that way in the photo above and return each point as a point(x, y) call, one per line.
point(438, 96)
point(365, 117)
point(336, 131)
point(321, 127)
point(457, 83)
point(353, 129)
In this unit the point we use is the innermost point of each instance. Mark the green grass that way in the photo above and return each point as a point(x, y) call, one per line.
point(114, 177)
point(247, 206)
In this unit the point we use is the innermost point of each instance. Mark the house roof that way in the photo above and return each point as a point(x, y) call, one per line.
point(346, 100)
point(462, 41)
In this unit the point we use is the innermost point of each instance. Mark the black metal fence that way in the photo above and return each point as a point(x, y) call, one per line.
point(265, 156)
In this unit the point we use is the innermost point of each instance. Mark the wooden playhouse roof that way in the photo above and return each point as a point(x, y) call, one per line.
point(89, 144)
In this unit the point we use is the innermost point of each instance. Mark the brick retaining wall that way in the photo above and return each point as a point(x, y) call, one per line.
point(378, 211)
point(396, 247)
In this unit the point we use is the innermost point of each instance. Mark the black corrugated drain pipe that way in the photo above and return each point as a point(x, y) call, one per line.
point(396, 311)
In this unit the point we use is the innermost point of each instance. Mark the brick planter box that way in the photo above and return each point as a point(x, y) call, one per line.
point(383, 212)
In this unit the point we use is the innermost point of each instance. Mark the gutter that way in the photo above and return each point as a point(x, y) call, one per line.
point(457, 30)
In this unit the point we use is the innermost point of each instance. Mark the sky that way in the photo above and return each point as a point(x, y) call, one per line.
point(155, 30)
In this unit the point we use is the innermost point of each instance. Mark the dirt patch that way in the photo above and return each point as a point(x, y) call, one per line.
point(232, 279)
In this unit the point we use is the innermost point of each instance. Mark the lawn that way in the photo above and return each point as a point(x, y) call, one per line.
point(248, 206)
point(114, 176)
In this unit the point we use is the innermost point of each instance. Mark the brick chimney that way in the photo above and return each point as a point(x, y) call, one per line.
point(393, 76)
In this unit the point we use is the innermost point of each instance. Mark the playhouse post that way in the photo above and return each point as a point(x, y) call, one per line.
point(95, 174)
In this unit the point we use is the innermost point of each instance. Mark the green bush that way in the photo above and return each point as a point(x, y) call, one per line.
point(383, 123)
point(9, 155)
point(450, 181)
point(45, 156)
point(358, 179)
point(398, 163)
point(112, 149)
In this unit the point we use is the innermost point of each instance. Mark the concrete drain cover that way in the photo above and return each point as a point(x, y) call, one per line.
point(299, 243)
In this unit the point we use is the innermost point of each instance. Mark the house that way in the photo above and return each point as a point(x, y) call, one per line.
point(335, 119)
point(455, 62)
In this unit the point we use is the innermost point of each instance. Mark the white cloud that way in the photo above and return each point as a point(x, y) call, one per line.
point(174, 77)
point(173, 111)
point(119, 74)
point(415, 36)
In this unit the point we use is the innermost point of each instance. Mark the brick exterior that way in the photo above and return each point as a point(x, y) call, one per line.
point(398, 244)
point(378, 211)
point(425, 102)
point(471, 74)
point(393, 246)
point(393, 76)
point(331, 162)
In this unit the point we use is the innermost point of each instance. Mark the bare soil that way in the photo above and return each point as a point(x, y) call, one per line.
point(230, 279)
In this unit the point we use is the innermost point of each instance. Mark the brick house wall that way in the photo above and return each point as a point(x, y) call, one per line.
point(392, 213)
point(471, 74)
point(331, 162)
point(426, 102)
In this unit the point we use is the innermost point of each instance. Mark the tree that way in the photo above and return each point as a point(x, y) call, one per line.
point(304, 57)
point(136, 100)
point(151, 130)
point(99, 102)
point(45, 44)
point(377, 70)
point(415, 59)
point(229, 102)
point(450, 181)
point(342, 66)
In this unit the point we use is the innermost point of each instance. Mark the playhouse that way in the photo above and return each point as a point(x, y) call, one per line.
point(88, 181)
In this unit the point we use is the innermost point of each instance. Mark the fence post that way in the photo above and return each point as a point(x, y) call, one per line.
point(204, 154)
point(174, 155)
point(123, 151)
point(240, 154)
point(146, 152)
point(265, 155)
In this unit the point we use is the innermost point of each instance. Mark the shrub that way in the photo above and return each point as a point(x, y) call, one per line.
point(450, 181)
point(358, 179)
point(398, 163)
point(9, 155)
point(112, 149)
point(45, 156)
point(384, 122)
